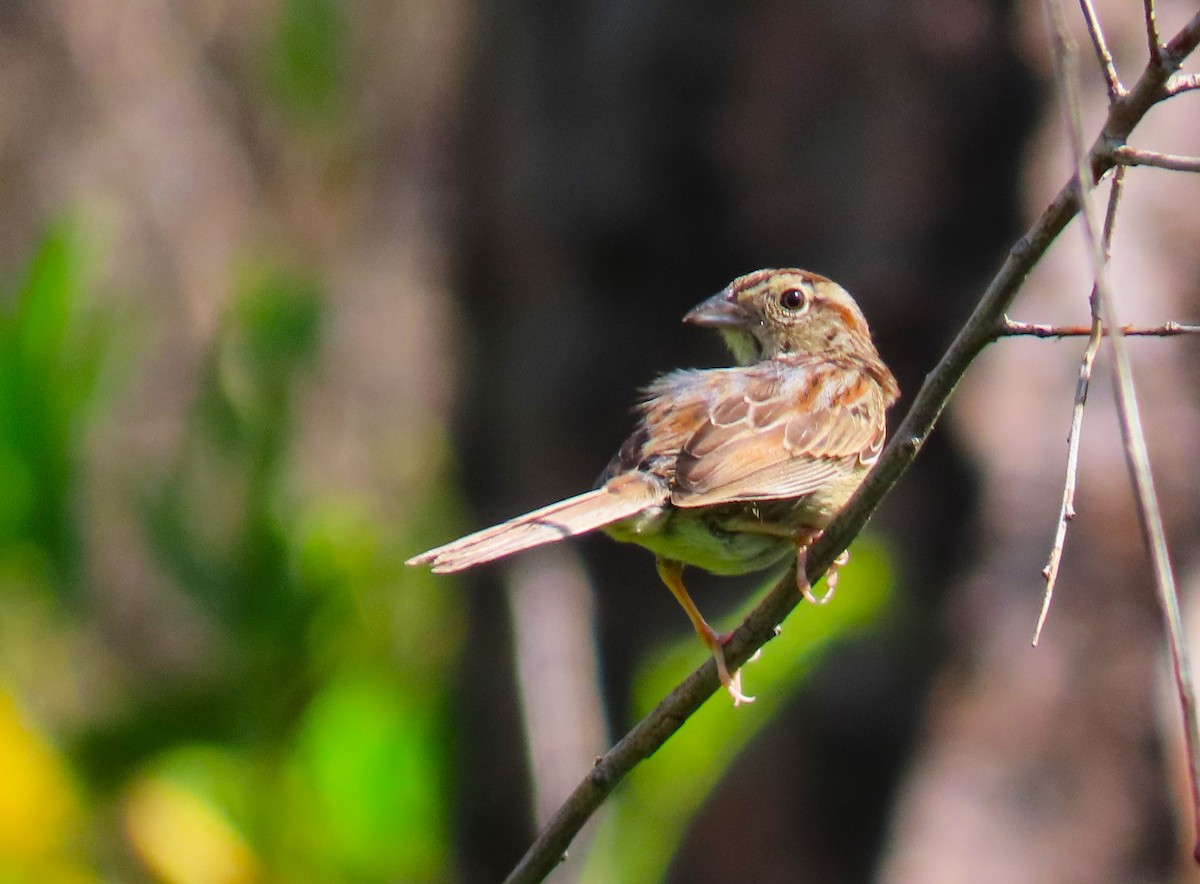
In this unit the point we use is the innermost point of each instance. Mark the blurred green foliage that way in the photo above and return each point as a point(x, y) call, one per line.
point(307, 740)
point(50, 353)
point(219, 521)
point(307, 59)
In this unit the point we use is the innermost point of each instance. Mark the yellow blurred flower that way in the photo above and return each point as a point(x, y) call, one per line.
point(183, 838)
point(39, 808)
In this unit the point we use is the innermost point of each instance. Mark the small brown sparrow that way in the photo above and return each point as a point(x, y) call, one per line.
point(732, 469)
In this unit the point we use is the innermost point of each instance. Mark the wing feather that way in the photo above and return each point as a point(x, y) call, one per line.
point(804, 424)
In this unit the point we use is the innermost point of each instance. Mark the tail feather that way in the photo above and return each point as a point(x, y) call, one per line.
point(618, 499)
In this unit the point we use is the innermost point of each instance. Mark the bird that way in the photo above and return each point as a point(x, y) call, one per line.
point(732, 469)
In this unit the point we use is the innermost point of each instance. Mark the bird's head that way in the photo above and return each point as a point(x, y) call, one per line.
point(772, 313)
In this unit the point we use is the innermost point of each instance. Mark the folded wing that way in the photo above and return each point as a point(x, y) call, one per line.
point(795, 428)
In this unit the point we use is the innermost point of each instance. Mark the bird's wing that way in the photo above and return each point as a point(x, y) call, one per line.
point(783, 431)
point(621, 497)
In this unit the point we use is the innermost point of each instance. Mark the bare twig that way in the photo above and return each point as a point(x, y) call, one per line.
point(1132, 431)
point(1012, 328)
point(1153, 40)
point(1111, 81)
point(1066, 511)
point(1130, 156)
point(759, 627)
point(1180, 83)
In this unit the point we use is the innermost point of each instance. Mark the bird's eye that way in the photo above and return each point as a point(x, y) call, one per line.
point(793, 299)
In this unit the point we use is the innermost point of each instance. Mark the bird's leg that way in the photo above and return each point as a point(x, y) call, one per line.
point(831, 576)
point(671, 573)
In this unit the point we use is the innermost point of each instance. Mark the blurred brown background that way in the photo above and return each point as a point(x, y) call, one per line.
point(295, 289)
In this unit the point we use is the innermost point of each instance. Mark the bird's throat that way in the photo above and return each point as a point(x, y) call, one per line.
point(743, 345)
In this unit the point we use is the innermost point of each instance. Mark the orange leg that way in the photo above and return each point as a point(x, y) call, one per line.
point(671, 573)
point(831, 576)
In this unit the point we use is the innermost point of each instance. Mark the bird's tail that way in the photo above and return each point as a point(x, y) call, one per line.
point(618, 499)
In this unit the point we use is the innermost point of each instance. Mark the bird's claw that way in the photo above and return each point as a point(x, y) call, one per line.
point(732, 683)
point(812, 597)
point(734, 687)
point(831, 576)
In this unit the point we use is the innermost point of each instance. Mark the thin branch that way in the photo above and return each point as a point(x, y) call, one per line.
point(1130, 156)
point(1066, 510)
point(1111, 81)
point(1096, 333)
point(1180, 83)
point(1132, 431)
point(1153, 40)
point(1012, 328)
point(759, 627)
point(1181, 46)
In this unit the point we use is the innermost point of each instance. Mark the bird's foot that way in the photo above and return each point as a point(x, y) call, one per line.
point(831, 576)
point(671, 573)
point(732, 683)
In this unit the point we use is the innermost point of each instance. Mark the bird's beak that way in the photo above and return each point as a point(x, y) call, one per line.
point(719, 311)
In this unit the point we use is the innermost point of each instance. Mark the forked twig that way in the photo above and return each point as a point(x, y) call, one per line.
point(1066, 511)
point(1132, 431)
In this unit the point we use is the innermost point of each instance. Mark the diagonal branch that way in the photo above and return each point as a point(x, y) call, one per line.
point(759, 627)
